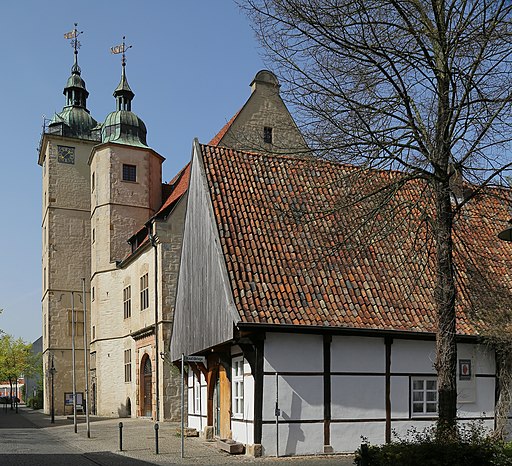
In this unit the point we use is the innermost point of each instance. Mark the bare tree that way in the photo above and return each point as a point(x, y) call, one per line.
point(420, 86)
point(489, 305)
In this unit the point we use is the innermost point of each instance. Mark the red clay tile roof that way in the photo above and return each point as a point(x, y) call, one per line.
point(294, 256)
point(174, 191)
point(179, 187)
point(217, 138)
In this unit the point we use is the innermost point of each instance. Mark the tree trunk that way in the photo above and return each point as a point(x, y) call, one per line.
point(446, 358)
point(10, 385)
point(504, 376)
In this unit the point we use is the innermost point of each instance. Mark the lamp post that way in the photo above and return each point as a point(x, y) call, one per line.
point(52, 373)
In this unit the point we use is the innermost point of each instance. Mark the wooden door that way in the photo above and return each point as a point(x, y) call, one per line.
point(147, 404)
point(225, 403)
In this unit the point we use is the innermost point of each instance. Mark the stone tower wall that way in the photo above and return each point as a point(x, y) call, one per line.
point(65, 261)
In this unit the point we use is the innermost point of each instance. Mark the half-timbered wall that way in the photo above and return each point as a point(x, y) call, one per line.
point(332, 391)
point(242, 427)
point(197, 403)
point(298, 361)
point(356, 397)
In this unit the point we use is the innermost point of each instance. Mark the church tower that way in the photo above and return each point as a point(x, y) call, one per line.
point(64, 152)
point(126, 191)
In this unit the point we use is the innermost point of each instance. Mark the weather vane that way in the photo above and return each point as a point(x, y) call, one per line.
point(122, 48)
point(73, 36)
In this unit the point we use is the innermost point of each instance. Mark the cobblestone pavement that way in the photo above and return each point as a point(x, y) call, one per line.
point(28, 438)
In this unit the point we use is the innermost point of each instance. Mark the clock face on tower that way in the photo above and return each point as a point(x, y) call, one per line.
point(66, 154)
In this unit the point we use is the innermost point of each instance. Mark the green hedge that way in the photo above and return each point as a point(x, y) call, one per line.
point(472, 447)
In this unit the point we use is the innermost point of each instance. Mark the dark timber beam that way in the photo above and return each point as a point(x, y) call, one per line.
point(388, 341)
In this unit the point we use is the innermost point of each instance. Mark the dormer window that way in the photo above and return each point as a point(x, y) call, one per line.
point(267, 134)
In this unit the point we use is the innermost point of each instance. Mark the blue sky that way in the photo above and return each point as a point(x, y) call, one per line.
point(190, 67)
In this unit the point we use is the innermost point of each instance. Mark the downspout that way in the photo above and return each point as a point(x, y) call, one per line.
point(150, 225)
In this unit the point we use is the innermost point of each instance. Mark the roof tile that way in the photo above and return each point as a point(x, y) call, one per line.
point(315, 269)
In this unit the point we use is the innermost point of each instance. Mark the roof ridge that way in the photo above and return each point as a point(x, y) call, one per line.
point(218, 137)
point(303, 157)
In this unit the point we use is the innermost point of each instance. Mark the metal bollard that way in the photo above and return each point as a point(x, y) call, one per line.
point(156, 438)
point(120, 436)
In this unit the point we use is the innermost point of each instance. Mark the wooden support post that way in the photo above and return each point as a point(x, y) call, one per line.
point(327, 390)
point(388, 341)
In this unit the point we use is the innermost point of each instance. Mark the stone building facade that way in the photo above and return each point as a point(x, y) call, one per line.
point(102, 185)
point(112, 228)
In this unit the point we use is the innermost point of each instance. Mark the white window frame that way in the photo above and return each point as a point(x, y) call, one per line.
point(424, 389)
point(127, 366)
point(237, 384)
point(127, 301)
point(197, 393)
point(144, 291)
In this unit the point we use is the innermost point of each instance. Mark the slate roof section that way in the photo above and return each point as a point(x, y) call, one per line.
point(294, 256)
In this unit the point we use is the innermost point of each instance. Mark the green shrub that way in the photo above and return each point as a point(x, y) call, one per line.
point(422, 448)
point(36, 402)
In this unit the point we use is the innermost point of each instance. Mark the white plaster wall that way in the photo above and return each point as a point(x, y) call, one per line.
point(248, 393)
point(402, 429)
point(292, 352)
point(300, 397)
point(196, 420)
point(413, 356)
point(406, 429)
point(481, 355)
point(357, 354)
point(399, 396)
point(294, 439)
point(346, 437)
point(484, 399)
point(358, 397)
point(242, 431)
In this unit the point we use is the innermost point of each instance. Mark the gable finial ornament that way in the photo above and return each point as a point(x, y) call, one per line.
point(72, 36)
point(121, 48)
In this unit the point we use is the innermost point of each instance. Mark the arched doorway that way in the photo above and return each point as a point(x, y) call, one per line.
point(146, 387)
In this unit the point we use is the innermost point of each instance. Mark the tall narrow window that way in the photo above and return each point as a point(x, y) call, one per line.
point(144, 292)
point(127, 302)
point(93, 297)
point(267, 134)
point(92, 182)
point(128, 365)
point(238, 387)
point(197, 394)
point(129, 172)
